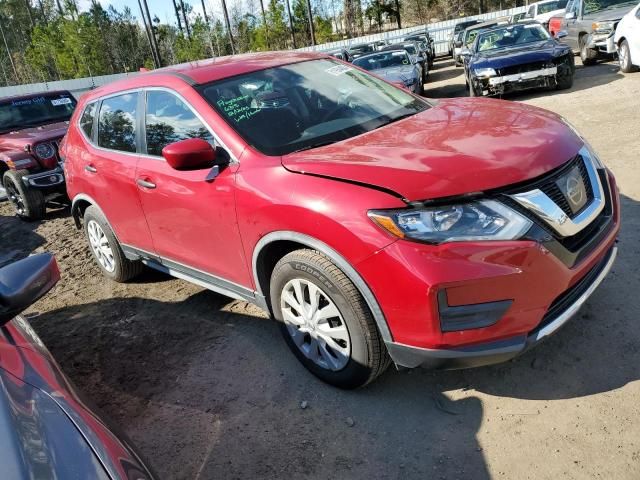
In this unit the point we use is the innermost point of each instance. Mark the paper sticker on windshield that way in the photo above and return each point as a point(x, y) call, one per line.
point(56, 102)
point(338, 70)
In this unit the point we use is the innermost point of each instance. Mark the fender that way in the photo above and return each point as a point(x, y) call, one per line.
point(75, 211)
point(336, 258)
point(17, 160)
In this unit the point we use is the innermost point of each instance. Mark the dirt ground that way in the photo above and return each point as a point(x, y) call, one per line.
point(206, 387)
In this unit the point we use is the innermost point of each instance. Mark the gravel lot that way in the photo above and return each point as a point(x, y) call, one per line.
point(206, 388)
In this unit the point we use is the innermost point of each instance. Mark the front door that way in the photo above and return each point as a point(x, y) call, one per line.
point(109, 165)
point(192, 222)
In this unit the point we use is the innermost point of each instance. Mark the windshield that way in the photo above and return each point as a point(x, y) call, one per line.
point(551, 6)
point(410, 48)
point(308, 104)
point(591, 6)
point(396, 58)
point(19, 113)
point(511, 36)
point(361, 48)
point(470, 35)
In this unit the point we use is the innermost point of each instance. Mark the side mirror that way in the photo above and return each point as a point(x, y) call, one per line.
point(458, 43)
point(190, 154)
point(465, 52)
point(570, 15)
point(23, 282)
point(561, 34)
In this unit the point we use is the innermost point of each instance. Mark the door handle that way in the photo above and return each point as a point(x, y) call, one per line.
point(145, 183)
point(91, 168)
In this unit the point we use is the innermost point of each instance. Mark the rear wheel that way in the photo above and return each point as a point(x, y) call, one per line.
point(106, 249)
point(29, 203)
point(325, 321)
point(624, 58)
point(587, 55)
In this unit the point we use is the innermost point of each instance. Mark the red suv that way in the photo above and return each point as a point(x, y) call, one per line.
point(374, 225)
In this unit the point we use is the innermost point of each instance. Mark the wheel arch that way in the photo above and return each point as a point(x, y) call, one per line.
point(273, 246)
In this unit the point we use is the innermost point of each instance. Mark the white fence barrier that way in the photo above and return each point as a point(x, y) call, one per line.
point(76, 86)
point(440, 31)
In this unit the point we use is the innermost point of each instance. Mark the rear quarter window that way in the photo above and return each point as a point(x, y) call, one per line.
point(87, 118)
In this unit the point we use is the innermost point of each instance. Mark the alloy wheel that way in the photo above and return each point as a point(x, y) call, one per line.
point(623, 55)
point(315, 324)
point(15, 198)
point(100, 246)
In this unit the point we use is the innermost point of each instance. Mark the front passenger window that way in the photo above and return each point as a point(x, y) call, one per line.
point(117, 123)
point(168, 120)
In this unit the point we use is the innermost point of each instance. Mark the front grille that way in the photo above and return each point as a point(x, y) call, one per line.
point(570, 250)
point(571, 296)
point(551, 189)
point(524, 68)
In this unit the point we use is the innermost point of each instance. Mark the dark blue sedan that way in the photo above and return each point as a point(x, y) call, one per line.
point(517, 57)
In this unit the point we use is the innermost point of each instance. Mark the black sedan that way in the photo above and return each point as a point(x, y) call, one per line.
point(46, 429)
point(517, 57)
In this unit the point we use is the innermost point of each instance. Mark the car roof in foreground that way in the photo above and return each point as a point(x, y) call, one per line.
point(209, 70)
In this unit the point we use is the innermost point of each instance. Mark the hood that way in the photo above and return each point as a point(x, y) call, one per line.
point(610, 13)
point(517, 55)
point(396, 74)
point(458, 146)
point(19, 139)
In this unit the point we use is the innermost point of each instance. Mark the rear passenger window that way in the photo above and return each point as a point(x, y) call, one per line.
point(168, 120)
point(117, 123)
point(86, 120)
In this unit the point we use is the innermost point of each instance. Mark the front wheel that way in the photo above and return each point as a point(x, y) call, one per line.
point(624, 57)
point(587, 55)
point(29, 203)
point(325, 321)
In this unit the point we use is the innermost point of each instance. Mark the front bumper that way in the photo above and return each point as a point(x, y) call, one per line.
point(545, 77)
point(502, 350)
point(49, 179)
point(514, 285)
point(603, 45)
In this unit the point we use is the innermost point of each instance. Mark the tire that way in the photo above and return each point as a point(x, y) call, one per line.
point(354, 353)
point(587, 55)
point(624, 58)
point(472, 90)
point(565, 81)
point(105, 248)
point(29, 203)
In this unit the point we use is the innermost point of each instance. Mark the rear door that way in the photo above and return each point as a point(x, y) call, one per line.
point(109, 162)
point(192, 221)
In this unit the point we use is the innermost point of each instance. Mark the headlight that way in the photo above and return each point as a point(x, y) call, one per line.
point(484, 72)
point(480, 220)
point(45, 151)
point(587, 146)
point(601, 28)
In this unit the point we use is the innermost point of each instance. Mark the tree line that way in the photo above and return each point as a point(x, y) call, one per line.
point(47, 40)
